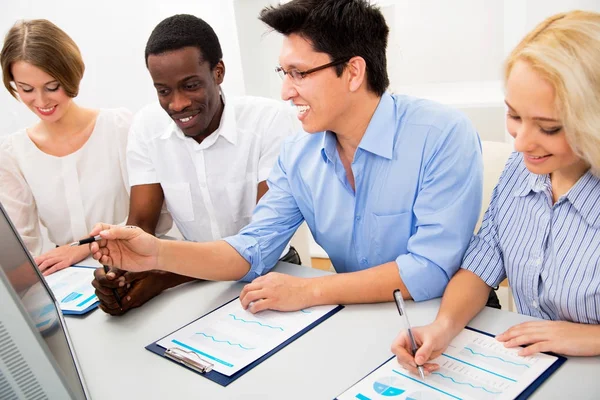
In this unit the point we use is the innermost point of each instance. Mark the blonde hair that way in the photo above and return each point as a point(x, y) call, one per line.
point(41, 43)
point(565, 50)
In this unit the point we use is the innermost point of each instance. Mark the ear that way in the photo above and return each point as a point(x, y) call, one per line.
point(219, 72)
point(357, 73)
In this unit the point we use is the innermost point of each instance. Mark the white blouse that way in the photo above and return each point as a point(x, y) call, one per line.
point(69, 194)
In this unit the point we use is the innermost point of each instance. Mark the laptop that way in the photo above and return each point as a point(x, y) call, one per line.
point(37, 359)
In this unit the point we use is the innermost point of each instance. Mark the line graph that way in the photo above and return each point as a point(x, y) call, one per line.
point(498, 358)
point(255, 322)
point(463, 383)
point(224, 341)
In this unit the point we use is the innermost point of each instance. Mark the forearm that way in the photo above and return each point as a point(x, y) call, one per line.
point(465, 295)
point(216, 261)
point(148, 225)
point(373, 285)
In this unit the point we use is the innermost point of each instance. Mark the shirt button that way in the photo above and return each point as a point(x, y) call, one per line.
point(534, 304)
point(363, 261)
point(358, 217)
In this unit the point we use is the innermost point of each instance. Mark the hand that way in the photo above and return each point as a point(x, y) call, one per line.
point(133, 288)
point(125, 247)
point(568, 338)
point(61, 258)
point(431, 340)
point(276, 291)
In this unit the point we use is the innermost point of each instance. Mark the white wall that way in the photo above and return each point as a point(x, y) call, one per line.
point(112, 36)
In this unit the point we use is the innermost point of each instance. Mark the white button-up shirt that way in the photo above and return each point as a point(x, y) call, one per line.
point(210, 188)
point(69, 194)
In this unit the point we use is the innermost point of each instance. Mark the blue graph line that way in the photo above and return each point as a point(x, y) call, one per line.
point(223, 341)
point(499, 358)
point(463, 383)
point(255, 322)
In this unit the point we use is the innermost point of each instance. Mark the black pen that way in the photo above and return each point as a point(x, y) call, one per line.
point(88, 240)
point(400, 304)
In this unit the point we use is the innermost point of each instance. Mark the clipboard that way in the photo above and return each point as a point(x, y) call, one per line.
point(203, 365)
point(525, 394)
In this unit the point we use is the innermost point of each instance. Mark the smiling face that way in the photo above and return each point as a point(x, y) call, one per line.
point(188, 90)
point(534, 121)
point(321, 97)
point(41, 92)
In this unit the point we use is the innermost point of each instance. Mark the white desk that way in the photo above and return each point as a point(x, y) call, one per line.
point(319, 365)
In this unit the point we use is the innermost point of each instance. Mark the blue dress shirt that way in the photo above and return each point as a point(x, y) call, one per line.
point(549, 251)
point(418, 180)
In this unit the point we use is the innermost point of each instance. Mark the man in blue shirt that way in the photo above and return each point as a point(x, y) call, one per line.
point(390, 186)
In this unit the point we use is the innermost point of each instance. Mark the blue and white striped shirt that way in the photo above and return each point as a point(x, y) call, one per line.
point(550, 252)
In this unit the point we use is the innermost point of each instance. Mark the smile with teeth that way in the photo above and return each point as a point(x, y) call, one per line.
point(186, 119)
point(539, 157)
point(303, 109)
point(46, 109)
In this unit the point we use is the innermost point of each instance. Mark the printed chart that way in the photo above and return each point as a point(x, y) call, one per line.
point(72, 288)
point(231, 337)
point(475, 366)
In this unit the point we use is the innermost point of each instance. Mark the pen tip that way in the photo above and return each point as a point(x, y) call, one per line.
point(73, 244)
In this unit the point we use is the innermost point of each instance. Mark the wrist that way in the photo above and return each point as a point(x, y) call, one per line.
point(314, 292)
point(448, 324)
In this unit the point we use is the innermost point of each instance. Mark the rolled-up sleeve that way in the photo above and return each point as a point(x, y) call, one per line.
point(446, 210)
point(274, 221)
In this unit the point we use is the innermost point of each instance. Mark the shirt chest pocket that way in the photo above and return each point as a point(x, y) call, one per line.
point(391, 233)
point(179, 200)
point(242, 199)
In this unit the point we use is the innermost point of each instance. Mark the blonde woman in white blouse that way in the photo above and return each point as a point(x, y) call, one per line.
point(68, 171)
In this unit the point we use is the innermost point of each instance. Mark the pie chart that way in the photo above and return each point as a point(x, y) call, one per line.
point(388, 386)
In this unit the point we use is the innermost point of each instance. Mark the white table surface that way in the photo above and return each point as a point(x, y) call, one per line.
point(319, 365)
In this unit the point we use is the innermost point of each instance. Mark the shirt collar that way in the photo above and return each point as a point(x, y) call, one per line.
point(227, 127)
point(583, 195)
point(379, 136)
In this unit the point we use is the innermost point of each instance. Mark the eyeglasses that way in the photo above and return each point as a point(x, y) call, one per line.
point(297, 76)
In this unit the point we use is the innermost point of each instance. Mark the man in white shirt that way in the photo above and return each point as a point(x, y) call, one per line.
point(206, 156)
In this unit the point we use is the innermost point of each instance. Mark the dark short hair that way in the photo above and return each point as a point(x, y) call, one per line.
point(184, 30)
point(339, 28)
point(41, 43)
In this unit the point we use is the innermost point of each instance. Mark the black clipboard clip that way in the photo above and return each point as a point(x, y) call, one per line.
point(189, 359)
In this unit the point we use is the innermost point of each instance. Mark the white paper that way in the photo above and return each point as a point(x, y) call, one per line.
point(72, 288)
point(231, 337)
point(475, 366)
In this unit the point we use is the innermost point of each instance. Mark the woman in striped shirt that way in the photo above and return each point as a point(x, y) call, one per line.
point(542, 227)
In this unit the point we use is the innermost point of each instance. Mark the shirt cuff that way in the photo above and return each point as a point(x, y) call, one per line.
point(142, 179)
point(423, 279)
point(248, 248)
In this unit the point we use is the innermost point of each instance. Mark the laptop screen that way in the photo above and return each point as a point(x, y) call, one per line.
point(37, 299)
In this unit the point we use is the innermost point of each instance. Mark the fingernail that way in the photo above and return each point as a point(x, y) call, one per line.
point(128, 298)
point(104, 232)
point(110, 275)
point(121, 284)
point(128, 285)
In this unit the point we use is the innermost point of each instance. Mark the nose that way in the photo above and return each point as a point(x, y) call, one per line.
point(40, 98)
point(179, 102)
point(288, 90)
point(525, 138)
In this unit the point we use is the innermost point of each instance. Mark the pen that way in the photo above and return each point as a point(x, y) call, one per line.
point(90, 239)
point(400, 305)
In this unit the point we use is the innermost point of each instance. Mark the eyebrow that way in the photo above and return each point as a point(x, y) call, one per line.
point(187, 78)
point(534, 118)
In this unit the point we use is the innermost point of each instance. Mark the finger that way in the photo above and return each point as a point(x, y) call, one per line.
point(111, 311)
point(47, 263)
point(526, 339)
point(100, 227)
point(120, 232)
point(538, 347)
point(261, 305)
point(424, 353)
point(519, 329)
point(252, 296)
point(56, 267)
point(105, 283)
point(401, 349)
